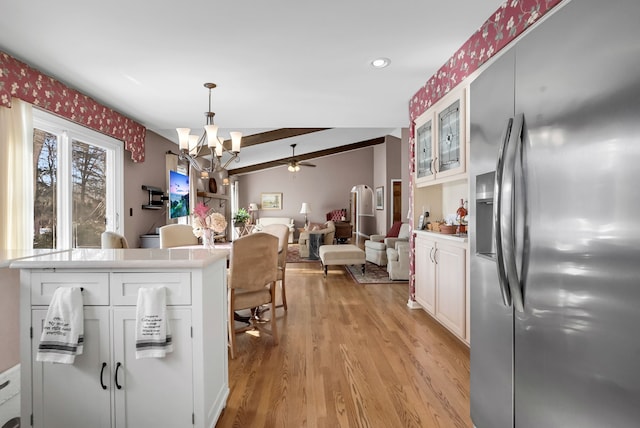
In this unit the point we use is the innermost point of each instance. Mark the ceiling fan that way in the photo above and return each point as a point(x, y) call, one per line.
point(293, 164)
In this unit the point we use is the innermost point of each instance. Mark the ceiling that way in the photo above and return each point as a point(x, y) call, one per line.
point(277, 64)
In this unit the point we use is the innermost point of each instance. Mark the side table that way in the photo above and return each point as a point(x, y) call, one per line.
point(244, 229)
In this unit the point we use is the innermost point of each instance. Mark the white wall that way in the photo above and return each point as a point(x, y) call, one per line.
point(151, 172)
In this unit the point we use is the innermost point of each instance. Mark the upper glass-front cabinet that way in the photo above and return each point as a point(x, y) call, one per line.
point(441, 140)
point(424, 151)
point(449, 137)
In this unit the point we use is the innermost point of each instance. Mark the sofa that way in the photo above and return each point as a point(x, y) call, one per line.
point(375, 247)
point(398, 261)
point(327, 230)
point(265, 221)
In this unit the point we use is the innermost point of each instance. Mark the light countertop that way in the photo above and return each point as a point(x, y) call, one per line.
point(438, 235)
point(9, 256)
point(124, 258)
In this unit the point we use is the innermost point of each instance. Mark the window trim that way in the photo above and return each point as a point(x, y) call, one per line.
point(66, 132)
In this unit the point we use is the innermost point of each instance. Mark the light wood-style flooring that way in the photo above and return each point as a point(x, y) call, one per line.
point(350, 355)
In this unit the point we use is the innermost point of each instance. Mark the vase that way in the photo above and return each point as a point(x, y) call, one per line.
point(208, 239)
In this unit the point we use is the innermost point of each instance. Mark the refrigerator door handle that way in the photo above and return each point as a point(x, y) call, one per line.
point(497, 191)
point(507, 219)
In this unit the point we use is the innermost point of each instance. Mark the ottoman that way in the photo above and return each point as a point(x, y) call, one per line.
point(348, 254)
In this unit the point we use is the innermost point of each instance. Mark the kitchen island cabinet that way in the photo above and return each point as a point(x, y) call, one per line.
point(107, 386)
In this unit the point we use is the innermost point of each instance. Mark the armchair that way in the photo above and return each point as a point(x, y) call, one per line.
point(337, 215)
point(328, 232)
point(375, 248)
point(398, 261)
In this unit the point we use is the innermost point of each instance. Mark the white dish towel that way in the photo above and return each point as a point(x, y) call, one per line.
point(63, 329)
point(153, 335)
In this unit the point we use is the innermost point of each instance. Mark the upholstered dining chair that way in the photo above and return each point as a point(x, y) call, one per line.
point(253, 273)
point(113, 240)
point(281, 232)
point(177, 235)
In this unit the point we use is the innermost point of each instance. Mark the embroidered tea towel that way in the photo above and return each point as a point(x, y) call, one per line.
point(63, 329)
point(153, 337)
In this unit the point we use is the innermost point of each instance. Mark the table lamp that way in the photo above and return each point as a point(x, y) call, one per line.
point(252, 208)
point(306, 209)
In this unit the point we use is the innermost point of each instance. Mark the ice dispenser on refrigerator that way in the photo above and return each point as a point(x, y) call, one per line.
point(485, 244)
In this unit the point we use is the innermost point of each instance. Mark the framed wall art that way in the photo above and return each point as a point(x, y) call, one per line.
point(380, 198)
point(271, 201)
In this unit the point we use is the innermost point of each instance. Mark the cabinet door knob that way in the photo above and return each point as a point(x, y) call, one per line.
point(101, 373)
point(116, 376)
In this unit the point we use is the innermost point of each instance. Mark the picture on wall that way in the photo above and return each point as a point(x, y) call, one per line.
point(178, 194)
point(380, 198)
point(271, 201)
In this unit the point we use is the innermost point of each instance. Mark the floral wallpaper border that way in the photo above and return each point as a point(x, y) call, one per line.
point(508, 22)
point(19, 80)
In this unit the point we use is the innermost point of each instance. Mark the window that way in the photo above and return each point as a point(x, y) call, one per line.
point(78, 184)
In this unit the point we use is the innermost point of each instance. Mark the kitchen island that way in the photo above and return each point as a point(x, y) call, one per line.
point(107, 386)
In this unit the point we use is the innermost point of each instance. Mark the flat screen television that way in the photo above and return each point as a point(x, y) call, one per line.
point(178, 194)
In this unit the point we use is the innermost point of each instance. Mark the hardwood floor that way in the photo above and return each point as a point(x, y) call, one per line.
point(349, 356)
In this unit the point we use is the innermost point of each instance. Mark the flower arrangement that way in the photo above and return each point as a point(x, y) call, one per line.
point(203, 219)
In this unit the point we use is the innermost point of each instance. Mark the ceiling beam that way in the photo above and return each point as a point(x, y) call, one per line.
point(268, 136)
point(307, 156)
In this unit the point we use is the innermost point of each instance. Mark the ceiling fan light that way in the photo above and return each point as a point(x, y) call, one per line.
point(212, 135)
point(291, 168)
point(236, 138)
point(183, 138)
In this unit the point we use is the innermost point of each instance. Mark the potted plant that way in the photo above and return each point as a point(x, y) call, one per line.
point(241, 217)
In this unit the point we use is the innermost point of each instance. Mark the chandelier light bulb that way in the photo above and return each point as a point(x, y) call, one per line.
point(212, 135)
point(219, 146)
point(236, 138)
point(183, 138)
point(193, 142)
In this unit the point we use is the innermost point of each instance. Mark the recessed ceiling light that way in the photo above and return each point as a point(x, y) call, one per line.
point(380, 62)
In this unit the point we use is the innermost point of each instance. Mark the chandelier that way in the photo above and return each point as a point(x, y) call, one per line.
point(193, 146)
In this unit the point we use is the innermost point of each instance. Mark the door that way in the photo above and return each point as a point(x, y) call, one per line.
point(425, 281)
point(577, 343)
point(450, 282)
point(72, 395)
point(491, 104)
point(151, 383)
point(396, 189)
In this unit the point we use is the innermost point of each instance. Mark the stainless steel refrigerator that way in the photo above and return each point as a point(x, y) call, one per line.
point(555, 224)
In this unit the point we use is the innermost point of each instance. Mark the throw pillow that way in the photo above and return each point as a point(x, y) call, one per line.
point(395, 229)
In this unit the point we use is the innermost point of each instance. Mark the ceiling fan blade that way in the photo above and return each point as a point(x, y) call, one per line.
point(306, 164)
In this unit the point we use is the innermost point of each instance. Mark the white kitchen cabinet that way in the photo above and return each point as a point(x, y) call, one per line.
point(145, 385)
point(440, 281)
point(71, 395)
point(425, 280)
point(441, 141)
point(450, 264)
point(107, 386)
